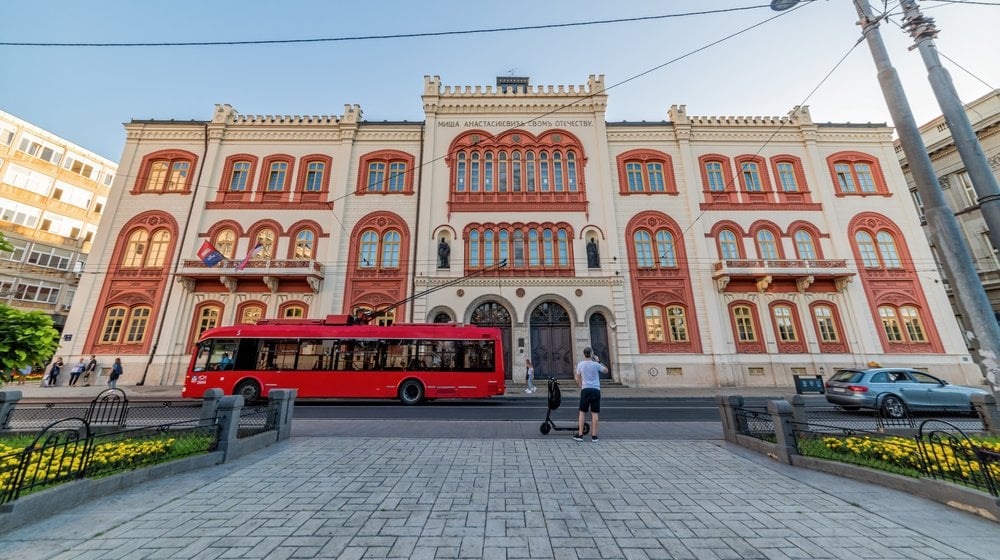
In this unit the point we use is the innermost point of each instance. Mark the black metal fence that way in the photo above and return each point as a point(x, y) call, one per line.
point(69, 449)
point(755, 422)
point(944, 453)
point(107, 409)
point(255, 420)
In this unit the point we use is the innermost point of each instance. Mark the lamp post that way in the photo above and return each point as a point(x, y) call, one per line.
point(942, 225)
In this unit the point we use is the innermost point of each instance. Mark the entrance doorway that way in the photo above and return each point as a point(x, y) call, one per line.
point(551, 342)
point(492, 314)
point(599, 341)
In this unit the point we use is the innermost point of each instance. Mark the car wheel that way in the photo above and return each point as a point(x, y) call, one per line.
point(249, 390)
point(411, 392)
point(893, 407)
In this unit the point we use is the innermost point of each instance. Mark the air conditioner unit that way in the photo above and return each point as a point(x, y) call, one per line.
point(66, 306)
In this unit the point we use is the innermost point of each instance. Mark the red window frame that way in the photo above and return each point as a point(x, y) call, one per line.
point(171, 157)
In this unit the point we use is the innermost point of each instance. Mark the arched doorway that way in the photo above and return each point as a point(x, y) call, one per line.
point(599, 341)
point(492, 314)
point(551, 342)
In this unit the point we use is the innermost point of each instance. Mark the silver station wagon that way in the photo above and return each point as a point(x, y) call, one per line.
point(895, 390)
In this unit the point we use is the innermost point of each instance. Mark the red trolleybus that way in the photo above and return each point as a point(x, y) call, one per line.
point(332, 358)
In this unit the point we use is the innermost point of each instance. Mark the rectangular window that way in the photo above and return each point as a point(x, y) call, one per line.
point(28, 180)
point(40, 149)
point(751, 177)
point(6, 136)
point(376, 176)
point(80, 166)
point(397, 175)
point(716, 181)
point(69, 194)
point(919, 202)
point(49, 257)
point(178, 176)
point(101, 203)
point(634, 173)
point(655, 171)
point(36, 291)
point(109, 178)
point(963, 180)
point(314, 176)
point(61, 225)
point(991, 252)
point(865, 178)
point(17, 213)
point(845, 178)
point(17, 255)
point(241, 173)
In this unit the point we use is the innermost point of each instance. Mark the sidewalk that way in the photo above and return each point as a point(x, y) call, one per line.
point(351, 497)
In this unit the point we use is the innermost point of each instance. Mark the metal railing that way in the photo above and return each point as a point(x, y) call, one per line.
point(69, 449)
point(754, 422)
point(256, 420)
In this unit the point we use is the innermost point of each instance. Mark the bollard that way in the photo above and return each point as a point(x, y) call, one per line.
point(229, 408)
point(8, 402)
point(784, 430)
point(726, 406)
point(282, 402)
point(798, 411)
point(209, 407)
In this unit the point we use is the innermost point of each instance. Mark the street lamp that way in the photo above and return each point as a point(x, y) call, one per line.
point(942, 225)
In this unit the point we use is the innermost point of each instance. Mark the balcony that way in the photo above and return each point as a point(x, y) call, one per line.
point(272, 273)
point(763, 273)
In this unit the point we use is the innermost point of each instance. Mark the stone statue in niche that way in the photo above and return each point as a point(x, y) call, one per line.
point(593, 257)
point(444, 253)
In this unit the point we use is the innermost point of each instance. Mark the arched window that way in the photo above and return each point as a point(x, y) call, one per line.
point(856, 173)
point(911, 320)
point(250, 313)
point(502, 171)
point(643, 249)
point(474, 172)
point(866, 247)
point(225, 243)
point(488, 248)
point(784, 324)
point(767, 248)
point(165, 172)
point(138, 320)
point(743, 320)
point(887, 249)
point(518, 248)
point(728, 248)
point(367, 249)
point(825, 325)
point(665, 249)
point(293, 311)
point(890, 324)
point(543, 171)
point(533, 248)
point(114, 317)
point(786, 177)
point(547, 239)
point(515, 172)
point(207, 316)
point(654, 324)
point(135, 249)
point(158, 246)
point(265, 238)
point(304, 244)
point(504, 250)
point(529, 164)
point(571, 170)
point(390, 249)
point(387, 172)
point(474, 249)
point(804, 245)
point(277, 176)
point(240, 177)
point(677, 322)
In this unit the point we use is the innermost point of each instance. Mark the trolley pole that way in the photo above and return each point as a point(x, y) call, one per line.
point(942, 225)
point(941, 222)
point(923, 30)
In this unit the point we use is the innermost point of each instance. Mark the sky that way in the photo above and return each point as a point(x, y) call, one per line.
point(84, 94)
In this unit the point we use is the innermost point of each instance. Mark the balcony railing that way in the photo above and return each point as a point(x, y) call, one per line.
point(270, 272)
point(763, 272)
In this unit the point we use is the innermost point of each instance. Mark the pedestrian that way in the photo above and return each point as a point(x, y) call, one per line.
point(588, 378)
point(530, 376)
point(116, 372)
point(76, 372)
point(54, 372)
point(24, 373)
point(91, 369)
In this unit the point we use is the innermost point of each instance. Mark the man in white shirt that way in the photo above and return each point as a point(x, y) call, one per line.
point(588, 378)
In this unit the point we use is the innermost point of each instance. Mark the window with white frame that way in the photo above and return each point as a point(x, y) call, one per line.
point(37, 291)
point(17, 255)
point(991, 252)
point(107, 178)
point(6, 135)
point(69, 194)
point(40, 149)
point(61, 225)
point(28, 180)
point(17, 213)
point(963, 180)
point(919, 202)
point(81, 166)
point(80, 264)
point(49, 257)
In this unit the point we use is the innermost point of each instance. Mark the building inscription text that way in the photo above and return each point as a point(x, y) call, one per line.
point(537, 123)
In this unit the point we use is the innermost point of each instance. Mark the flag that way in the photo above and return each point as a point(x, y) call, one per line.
point(209, 254)
point(253, 253)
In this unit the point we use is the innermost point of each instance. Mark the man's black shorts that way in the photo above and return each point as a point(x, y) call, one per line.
point(590, 399)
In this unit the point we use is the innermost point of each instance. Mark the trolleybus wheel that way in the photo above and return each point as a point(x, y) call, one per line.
point(249, 389)
point(411, 392)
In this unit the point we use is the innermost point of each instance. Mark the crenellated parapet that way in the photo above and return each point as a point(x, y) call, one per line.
point(594, 86)
point(226, 114)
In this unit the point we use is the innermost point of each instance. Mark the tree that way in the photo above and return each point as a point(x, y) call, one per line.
point(5, 245)
point(26, 338)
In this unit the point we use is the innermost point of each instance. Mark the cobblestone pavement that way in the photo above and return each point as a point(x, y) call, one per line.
point(345, 497)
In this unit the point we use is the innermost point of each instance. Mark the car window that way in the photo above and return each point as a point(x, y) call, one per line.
point(847, 376)
point(924, 378)
point(880, 377)
point(900, 377)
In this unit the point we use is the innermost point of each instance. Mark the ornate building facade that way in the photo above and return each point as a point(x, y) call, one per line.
point(52, 196)
point(695, 251)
